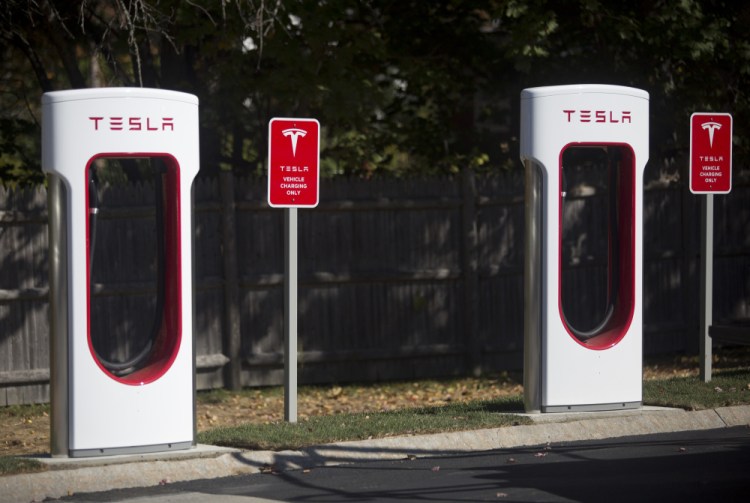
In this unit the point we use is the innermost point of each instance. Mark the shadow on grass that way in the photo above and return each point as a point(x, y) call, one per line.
point(11, 465)
point(510, 405)
point(730, 374)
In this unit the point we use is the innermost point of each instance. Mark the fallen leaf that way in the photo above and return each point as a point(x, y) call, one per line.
point(718, 389)
point(502, 495)
point(540, 454)
point(411, 457)
point(511, 460)
point(435, 468)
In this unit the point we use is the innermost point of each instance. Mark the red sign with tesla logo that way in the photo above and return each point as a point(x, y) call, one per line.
point(293, 159)
point(710, 153)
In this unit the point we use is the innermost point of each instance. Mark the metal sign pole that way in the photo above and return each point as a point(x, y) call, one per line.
point(706, 285)
point(710, 172)
point(290, 315)
point(293, 182)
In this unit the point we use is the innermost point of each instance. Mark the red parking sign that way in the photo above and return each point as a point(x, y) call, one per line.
point(710, 153)
point(293, 159)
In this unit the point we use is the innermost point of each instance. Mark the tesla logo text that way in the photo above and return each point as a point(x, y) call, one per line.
point(294, 134)
point(601, 116)
point(133, 123)
point(711, 127)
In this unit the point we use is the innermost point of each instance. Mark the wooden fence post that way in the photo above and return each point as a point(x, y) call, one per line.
point(469, 271)
point(232, 333)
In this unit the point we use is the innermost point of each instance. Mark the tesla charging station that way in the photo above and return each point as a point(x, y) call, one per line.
point(583, 332)
point(137, 395)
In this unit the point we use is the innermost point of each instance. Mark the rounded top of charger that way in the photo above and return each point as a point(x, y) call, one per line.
point(97, 93)
point(573, 89)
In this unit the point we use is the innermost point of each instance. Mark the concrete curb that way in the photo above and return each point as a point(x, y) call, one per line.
point(69, 476)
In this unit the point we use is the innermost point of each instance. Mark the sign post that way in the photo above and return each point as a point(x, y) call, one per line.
point(293, 182)
point(290, 315)
point(710, 173)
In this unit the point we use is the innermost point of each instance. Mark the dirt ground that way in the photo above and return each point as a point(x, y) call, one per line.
point(25, 430)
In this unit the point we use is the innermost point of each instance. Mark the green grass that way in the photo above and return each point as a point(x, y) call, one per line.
point(725, 389)
point(342, 427)
point(31, 410)
point(11, 465)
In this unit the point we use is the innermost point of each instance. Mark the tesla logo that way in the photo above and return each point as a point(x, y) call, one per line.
point(711, 127)
point(294, 134)
point(133, 123)
point(600, 116)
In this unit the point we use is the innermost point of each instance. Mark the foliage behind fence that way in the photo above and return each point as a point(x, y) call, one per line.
point(398, 278)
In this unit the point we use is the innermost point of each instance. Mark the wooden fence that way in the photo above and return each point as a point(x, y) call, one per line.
point(398, 278)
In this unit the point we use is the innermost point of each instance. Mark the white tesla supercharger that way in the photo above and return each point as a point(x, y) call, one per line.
point(121, 381)
point(583, 327)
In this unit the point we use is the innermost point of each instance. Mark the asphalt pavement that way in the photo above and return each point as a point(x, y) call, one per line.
point(696, 465)
point(67, 476)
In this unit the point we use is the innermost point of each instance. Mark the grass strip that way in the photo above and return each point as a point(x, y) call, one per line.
point(360, 426)
point(691, 393)
point(728, 387)
point(11, 465)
